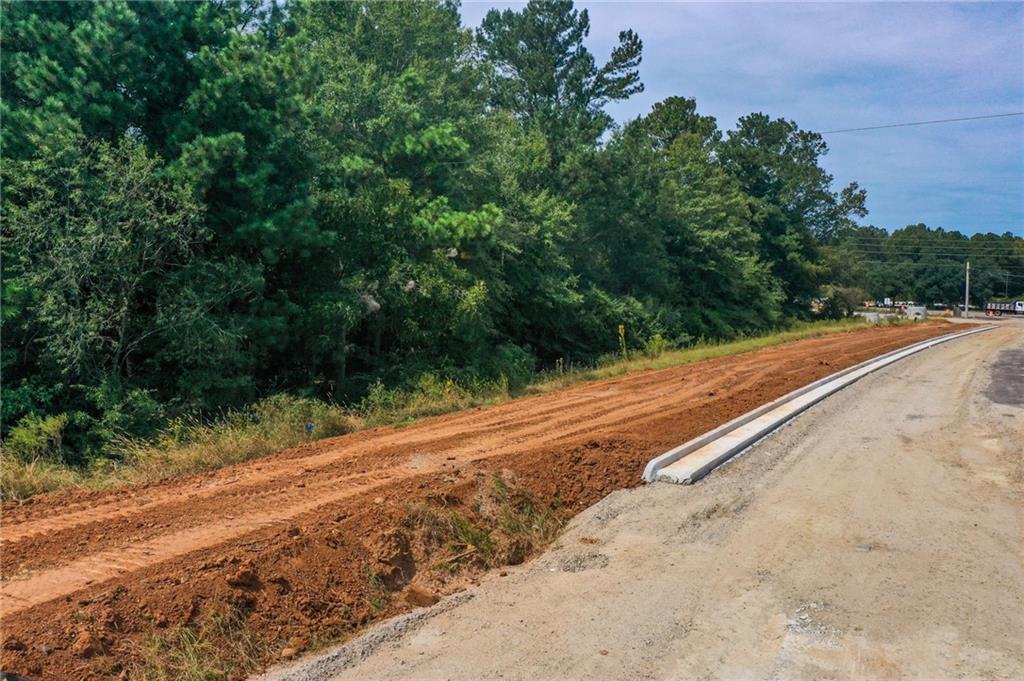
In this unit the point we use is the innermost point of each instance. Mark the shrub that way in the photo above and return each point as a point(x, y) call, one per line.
point(656, 346)
point(37, 437)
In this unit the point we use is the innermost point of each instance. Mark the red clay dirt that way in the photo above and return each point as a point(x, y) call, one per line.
point(314, 543)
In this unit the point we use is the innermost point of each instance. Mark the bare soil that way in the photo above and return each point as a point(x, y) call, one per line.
point(315, 543)
point(877, 536)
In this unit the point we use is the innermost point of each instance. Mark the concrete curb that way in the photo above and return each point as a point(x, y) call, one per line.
point(692, 460)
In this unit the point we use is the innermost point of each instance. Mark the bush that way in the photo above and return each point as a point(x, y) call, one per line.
point(838, 302)
point(37, 437)
point(656, 346)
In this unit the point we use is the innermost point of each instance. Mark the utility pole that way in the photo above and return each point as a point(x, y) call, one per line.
point(967, 290)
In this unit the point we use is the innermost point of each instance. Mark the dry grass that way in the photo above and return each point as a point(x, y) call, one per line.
point(270, 426)
point(505, 526)
point(277, 423)
point(22, 479)
point(184, 447)
point(219, 646)
point(698, 352)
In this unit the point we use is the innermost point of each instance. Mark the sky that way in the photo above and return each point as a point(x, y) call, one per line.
point(831, 66)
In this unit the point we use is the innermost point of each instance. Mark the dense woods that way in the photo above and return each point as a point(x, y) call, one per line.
point(208, 203)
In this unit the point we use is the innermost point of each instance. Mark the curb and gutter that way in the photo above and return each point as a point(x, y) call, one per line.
point(692, 460)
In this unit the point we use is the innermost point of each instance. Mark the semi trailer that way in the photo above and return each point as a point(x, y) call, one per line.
point(998, 309)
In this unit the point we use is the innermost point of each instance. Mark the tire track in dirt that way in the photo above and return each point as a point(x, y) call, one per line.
point(192, 511)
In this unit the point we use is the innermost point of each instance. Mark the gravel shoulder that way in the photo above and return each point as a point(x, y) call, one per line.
point(879, 535)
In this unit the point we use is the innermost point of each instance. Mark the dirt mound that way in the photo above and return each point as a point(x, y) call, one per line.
point(267, 559)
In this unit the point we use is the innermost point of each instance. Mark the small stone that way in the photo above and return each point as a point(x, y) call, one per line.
point(604, 652)
point(289, 653)
point(378, 500)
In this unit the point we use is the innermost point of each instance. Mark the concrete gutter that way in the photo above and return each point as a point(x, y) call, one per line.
point(691, 461)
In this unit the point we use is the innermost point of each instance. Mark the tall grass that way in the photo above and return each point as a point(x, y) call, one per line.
point(661, 356)
point(189, 446)
point(183, 447)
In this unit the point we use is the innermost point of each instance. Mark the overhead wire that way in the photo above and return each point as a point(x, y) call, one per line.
point(916, 123)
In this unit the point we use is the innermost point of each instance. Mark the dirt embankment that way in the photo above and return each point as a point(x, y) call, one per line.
point(309, 545)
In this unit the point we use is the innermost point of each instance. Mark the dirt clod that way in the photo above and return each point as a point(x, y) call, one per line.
point(14, 644)
point(86, 644)
point(420, 597)
point(244, 578)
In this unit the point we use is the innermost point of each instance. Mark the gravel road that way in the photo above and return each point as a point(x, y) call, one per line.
point(880, 535)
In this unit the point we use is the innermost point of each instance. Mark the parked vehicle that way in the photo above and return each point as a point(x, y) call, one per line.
point(998, 309)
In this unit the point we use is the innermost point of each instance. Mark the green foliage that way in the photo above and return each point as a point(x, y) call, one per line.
point(838, 302)
point(656, 346)
point(546, 76)
point(792, 204)
point(37, 437)
point(365, 203)
point(927, 265)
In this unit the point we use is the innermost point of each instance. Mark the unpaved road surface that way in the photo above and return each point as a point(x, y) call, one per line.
point(878, 536)
point(294, 544)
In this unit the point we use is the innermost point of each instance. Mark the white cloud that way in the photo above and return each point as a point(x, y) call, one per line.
point(840, 65)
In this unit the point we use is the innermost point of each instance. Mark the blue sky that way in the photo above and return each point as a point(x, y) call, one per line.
point(844, 65)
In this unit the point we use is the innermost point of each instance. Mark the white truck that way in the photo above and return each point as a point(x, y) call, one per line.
point(998, 309)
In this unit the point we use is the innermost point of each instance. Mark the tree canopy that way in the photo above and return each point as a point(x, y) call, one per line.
point(208, 202)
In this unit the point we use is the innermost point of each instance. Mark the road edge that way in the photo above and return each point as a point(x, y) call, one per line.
point(717, 446)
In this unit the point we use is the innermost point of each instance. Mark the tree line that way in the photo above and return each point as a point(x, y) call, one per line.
point(206, 203)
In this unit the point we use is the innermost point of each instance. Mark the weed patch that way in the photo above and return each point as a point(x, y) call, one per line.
point(219, 646)
point(503, 526)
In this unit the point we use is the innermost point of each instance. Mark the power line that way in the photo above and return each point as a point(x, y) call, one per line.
point(976, 254)
point(1000, 271)
point(908, 125)
point(965, 254)
point(944, 242)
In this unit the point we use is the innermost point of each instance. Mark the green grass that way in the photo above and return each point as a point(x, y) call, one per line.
point(187, 446)
point(702, 350)
point(505, 526)
point(218, 646)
